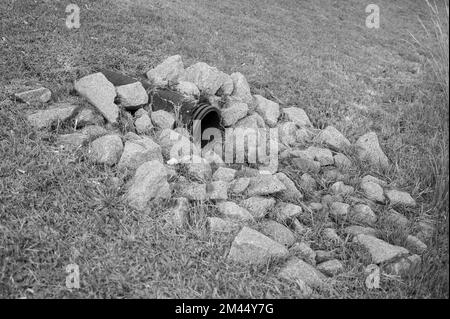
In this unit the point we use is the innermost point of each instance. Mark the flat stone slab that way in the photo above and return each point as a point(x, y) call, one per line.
point(250, 247)
point(296, 269)
point(379, 250)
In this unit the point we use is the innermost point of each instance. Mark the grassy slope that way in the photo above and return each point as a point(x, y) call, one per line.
point(317, 55)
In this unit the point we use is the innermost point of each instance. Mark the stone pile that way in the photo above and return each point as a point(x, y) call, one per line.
point(263, 211)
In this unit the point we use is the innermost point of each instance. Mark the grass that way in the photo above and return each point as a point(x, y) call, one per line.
point(57, 208)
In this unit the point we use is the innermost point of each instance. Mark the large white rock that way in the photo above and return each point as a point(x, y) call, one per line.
point(149, 182)
point(169, 71)
point(333, 139)
point(143, 124)
point(269, 110)
point(322, 155)
point(363, 214)
point(368, 149)
point(106, 149)
point(101, 93)
point(298, 116)
point(163, 119)
point(233, 113)
point(137, 152)
point(241, 88)
point(132, 96)
point(250, 247)
point(208, 79)
point(372, 191)
point(188, 89)
point(379, 250)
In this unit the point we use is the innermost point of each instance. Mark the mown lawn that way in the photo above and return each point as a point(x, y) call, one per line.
point(56, 208)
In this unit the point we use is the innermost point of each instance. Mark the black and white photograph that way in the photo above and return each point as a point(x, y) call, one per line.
point(224, 155)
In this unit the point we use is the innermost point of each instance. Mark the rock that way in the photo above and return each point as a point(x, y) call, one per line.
point(306, 165)
point(333, 175)
point(253, 121)
point(197, 167)
point(426, 230)
point(258, 206)
point(269, 110)
point(175, 145)
point(219, 225)
point(304, 252)
point(194, 191)
point(137, 152)
point(106, 149)
point(405, 266)
point(339, 188)
point(287, 133)
point(39, 95)
point(331, 267)
point(333, 139)
point(278, 232)
point(296, 269)
point(208, 79)
point(240, 185)
point(323, 255)
point(291, 193)
point(73, 140)
point(188, 89)
point(180, 213)
point(396, 220)
point(303, 135)
point(299, 228)
point(224, 174)
point(339, 211)
point(368, 149)
point(379, 250)
point(132, 96)
point(396, 197)
point(308, 183)
point(342, 162)
point(370, 178)
point(286, 212)
point(130, 136)
point(315, 207)
point(163, 119)
point(44, 118)
point(330, 235)
point(149, 182)
point(100, 93)
point(250, 247)
point(217, 190)
point(362, 214)
point(298, 116)
point(94, 131)
point(234, 211)
point(265, 184)
point(233, 113)
point(372, 191)
point(241, 88)
point(322, 155)
point(169, 71)
point(88, 116)
point(415, 245)
point(355, 230)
